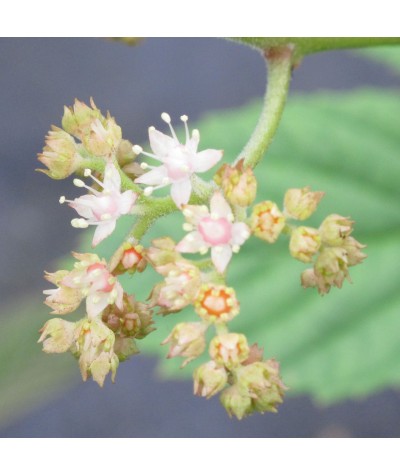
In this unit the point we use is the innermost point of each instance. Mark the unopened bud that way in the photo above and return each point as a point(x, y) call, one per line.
point(209, 379)
point(267, 221)
point(57, 335)
point(304, 243)
point(236, 401)
point(300, 203)
point(353, 249)
point(238, 183)
point(229, 349)
point(335, 229)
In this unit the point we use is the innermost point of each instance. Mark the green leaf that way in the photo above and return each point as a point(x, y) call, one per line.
point(345, 344)
point(386, 55)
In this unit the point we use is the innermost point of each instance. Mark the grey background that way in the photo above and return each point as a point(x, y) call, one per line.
point(191, 76)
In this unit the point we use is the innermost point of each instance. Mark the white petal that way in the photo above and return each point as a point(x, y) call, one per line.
point(102, 231)
point(83, 205)
point(192, 242)
point(193, 143)
point(205, 160)
point(112, 179)
point(219, 206)
point(153, 177)
point(180, 192)
point(240, 233)
point(96, 302)
point(194, 213)
point(126, 201)
point(120, 294)
point(160, 143)
point(220, 256)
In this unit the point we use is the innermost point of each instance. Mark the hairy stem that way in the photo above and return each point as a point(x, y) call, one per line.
point(279, 73)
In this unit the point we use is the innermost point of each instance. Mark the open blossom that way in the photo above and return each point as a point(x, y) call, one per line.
point(215, 229)
point(102, 208)
point(91, 279)
point(179, 161)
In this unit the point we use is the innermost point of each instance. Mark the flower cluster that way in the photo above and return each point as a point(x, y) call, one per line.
point(218, 217)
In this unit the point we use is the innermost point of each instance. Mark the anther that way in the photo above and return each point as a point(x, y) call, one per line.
point(184, 118)
point(148, 191)
point(235, 248)
point(166, 117)
point(144, 165)
point(203, 249)
point(62, 199)
point(105, 216)
point(87, 172)
point(137, 149)
point(79, 183)
point(187, 227)
point(79, 223)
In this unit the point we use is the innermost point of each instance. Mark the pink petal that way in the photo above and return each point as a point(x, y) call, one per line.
point(180, 192)
point(220, 256)
point(160, 143)
point(240, 233)
point(83, 206)
point(205, 160)
point(112, 179)
point(126, 201)
point(96, 302)
point(153, 177)
point(219, 205)
point(192, 242)
point(102, 231)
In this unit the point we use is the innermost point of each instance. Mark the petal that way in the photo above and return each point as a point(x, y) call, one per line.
point(83, 206)
point(205, 160)
point(193, 143)
point(153, 177)
point(195, 213)
point(96, 302)
point(126, 201)
point(240, 233)
point(112, 179)
point(219, 206)
point(160, 143)
point(220, 256)
point(180, 192)
point(102, 231)
point(192, 242)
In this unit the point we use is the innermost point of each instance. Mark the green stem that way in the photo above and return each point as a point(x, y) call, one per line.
point(279, 74)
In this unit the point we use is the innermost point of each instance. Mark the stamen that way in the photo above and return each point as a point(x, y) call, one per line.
point(87, 172)
point(144, 166)
point(203, 250)
point(61, 200)
point(165, 181)
point(105, 216)
point(152, 128)
point(79, 223)
point(195, 134)
point(184, 119)
point(187, 212)
point(245, 234)
point(214, 216)
point(79, 183)
point(137, 149)
point(148, 191)
point(166, 118)
point(235, 248)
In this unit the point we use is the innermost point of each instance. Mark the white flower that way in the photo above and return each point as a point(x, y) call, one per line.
point(101, 208)
point(179, 162)
point(215, 230)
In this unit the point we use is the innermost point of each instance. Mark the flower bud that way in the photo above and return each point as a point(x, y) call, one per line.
point(60, 155)
point(63, 299)
point(57, 335)
point(187, 340)
point(352, 247)
point(308, 278)
point(95, 349)
point(125, 347)
point(162, 255)
point(335, 229)
point(179, 289)
point(125, 154)
point(238, 183)
point(267, 221)
point(103, 138)
point(78, 119)
point(304, 243)
point(133, 320)
point(229, 349)
point(262, 382)
point(331, 268)
point(209, 379)
point(236, 401)
point(300, 203)
point(128, 258)
point(216, 303)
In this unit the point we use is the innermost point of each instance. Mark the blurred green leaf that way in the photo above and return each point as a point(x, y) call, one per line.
point(345, 344)
point(386, 55)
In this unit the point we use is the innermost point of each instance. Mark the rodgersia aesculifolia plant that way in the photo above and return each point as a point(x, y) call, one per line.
point(218, 218)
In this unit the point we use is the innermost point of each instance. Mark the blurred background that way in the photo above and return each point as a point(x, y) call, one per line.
point(192, 76)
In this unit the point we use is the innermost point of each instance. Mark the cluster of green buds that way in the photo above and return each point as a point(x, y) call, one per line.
point(218, 217)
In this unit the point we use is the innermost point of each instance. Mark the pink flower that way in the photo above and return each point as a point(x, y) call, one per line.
point(101, 208)
point(215, 230)
point(179, 162)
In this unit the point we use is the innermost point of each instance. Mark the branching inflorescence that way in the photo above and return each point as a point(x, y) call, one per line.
point(218, 217)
